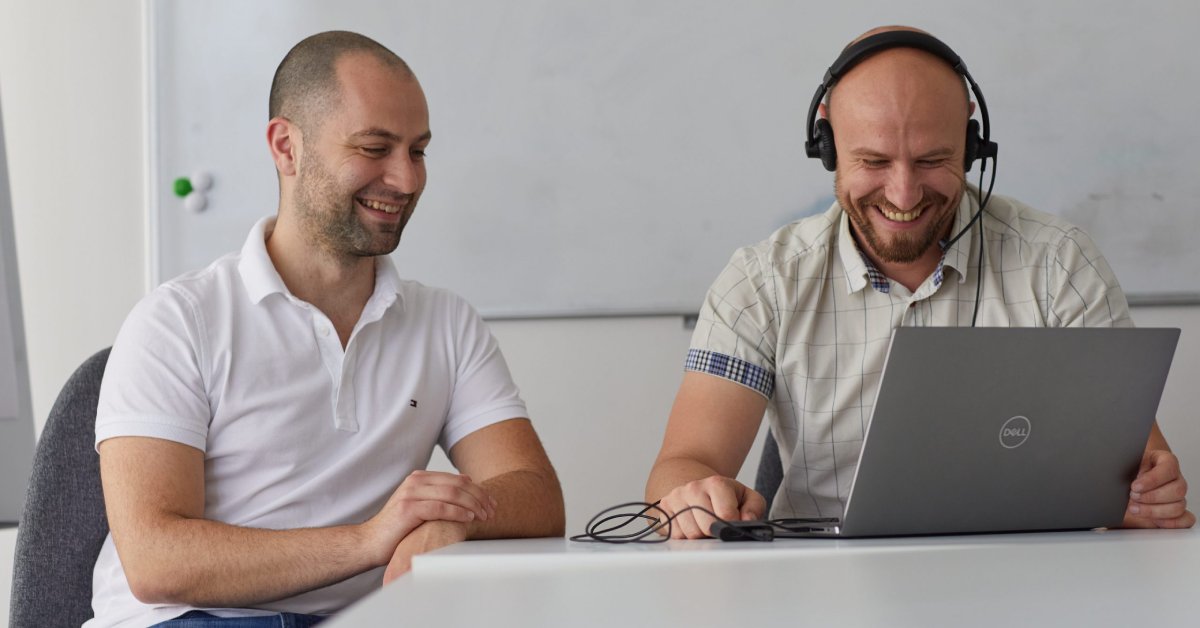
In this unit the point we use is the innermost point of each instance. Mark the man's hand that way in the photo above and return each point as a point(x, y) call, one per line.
point(729, 499)
point(425, 496)
point(712, 426)
point(425, 538)
point(1157, 497)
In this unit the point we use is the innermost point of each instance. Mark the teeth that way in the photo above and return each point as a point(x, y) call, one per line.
point(901, 216)
point(384, 207)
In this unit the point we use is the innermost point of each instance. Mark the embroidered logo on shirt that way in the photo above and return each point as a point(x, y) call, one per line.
point(412, 402)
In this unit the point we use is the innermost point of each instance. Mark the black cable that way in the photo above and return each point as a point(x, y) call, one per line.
point(594, 533)
point(982, 201)
point(982, 238)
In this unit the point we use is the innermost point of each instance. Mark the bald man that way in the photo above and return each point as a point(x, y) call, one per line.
point(792, 324)
point(264, 423)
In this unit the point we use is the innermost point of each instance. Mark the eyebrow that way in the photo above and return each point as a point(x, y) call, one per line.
point(866, 152)
point(939, 153)
point(376, 132)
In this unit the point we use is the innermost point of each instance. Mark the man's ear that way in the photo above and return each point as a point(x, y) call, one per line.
point(284, 139)
point(970, 108)
point(823, 111)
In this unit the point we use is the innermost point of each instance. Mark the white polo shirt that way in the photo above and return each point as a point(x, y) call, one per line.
point(295, 431)
point(802, 319)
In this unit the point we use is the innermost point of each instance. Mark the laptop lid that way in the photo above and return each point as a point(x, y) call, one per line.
point(1007, 429)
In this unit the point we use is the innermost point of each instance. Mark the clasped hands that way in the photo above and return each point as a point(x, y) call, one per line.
point(430, 509)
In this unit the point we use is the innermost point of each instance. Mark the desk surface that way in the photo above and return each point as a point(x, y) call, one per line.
point(1114, 578)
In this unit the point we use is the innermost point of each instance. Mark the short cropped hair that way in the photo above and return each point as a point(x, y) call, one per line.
point(306, 84)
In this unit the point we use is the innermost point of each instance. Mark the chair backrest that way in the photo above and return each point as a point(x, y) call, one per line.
point(64, 523)
point(770, 472)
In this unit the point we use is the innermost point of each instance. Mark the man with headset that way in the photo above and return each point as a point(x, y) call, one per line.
point(793, 325)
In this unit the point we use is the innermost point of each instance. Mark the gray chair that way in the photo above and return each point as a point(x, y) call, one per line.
point(770, 472)
point(64, 523)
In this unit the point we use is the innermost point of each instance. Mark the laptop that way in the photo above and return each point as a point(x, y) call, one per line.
point(1000, 430)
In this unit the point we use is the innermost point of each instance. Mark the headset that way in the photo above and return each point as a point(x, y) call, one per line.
point(819, 133)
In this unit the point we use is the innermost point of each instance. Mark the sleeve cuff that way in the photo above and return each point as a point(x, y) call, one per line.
point(152, 429)
point(742, 372)
point(456, 429)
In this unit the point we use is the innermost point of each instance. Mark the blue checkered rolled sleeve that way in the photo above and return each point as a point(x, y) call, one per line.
point(754, 377)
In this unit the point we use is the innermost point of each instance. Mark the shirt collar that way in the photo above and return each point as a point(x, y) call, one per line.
point(857, 272)
point(261, 279)
point(255, 267)
point(860, 271)
point(388, 290)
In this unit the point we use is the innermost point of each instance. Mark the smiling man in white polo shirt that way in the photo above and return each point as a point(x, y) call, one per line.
point(264, 423)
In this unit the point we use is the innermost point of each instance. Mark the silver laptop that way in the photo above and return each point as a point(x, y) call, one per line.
point(1004, 430)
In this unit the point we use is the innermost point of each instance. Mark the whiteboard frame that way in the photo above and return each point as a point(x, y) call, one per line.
point(150, 162)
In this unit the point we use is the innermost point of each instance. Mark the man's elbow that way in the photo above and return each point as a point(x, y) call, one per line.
point(157, 578)
point(150, 586)
point(555, 521)
point(552, 518)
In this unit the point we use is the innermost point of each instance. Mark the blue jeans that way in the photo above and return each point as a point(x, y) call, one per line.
point(201, 619)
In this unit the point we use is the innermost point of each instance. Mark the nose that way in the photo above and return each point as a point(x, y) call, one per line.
point(903, 187)
point(405, 174)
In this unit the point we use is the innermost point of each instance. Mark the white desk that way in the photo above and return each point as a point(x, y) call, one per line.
point(1114, 578)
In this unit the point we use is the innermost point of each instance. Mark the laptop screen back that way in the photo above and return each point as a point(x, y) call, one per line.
point(1007, 429)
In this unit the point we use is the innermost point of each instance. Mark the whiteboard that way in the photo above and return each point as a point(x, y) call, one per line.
point(16, 410)
point(595, 158)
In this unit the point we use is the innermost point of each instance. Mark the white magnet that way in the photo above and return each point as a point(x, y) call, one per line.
point(195, 202)
point(202, 180)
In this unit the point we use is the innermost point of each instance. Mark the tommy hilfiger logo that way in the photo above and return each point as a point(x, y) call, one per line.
point(412, 402)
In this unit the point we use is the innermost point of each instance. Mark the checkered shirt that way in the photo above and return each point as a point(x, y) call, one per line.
point(792, 318)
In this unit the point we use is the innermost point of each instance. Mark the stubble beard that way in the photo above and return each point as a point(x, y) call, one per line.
point(901, 248)
point(328, 216)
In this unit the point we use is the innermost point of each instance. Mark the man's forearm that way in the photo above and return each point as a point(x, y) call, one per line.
point(210, 564)
point(529, 503)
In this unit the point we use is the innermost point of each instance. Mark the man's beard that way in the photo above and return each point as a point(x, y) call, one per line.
point(902, 247)
point(328, 217)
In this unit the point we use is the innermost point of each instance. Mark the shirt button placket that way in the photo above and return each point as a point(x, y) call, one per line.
point(331, 353)
point(346, 418)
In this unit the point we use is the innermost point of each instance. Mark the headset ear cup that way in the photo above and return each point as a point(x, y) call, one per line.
point(824, 133)
point(973, 141)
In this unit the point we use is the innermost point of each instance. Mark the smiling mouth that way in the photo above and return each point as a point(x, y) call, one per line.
point(380, 206)
point(908, 216)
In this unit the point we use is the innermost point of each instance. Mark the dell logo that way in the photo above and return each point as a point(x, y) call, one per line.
point(1014, 432)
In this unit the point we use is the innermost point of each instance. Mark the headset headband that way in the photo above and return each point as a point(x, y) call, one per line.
point(861, 50)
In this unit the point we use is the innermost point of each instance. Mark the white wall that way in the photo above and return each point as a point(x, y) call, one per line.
point(598, 389)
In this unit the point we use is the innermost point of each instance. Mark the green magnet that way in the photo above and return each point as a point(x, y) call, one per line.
point(183, 187)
